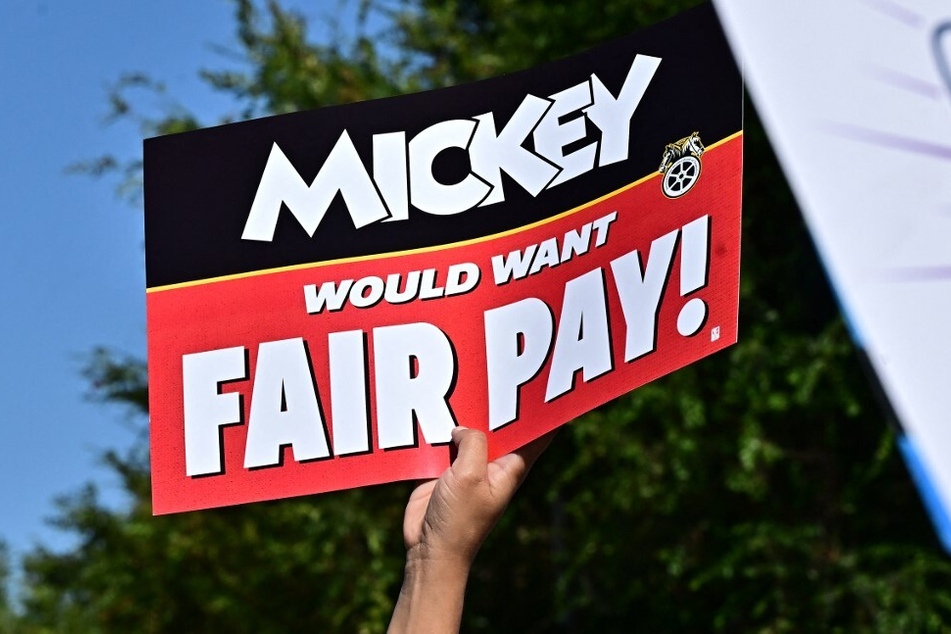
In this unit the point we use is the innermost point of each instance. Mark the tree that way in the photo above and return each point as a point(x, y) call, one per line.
point(759, 490)
point(7, 617)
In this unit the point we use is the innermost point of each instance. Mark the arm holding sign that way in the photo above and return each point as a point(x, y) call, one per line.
point(446, 522)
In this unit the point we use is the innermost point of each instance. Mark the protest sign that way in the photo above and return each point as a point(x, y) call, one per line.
point(331, 292)
point(856, 98)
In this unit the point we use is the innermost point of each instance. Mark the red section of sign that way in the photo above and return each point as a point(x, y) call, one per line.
point(245, 312)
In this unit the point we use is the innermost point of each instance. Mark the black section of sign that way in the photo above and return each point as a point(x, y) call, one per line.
point(199, 185)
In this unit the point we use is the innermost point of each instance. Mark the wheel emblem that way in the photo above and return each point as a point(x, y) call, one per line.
point(681, 176)
point(681, 165)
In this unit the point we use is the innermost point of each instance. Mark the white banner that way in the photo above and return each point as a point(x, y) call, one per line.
point(856, 98)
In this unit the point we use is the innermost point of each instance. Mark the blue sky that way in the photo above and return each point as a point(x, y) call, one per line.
point(70, 248)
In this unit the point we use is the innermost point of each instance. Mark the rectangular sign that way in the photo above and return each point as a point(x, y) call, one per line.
point(331, 292)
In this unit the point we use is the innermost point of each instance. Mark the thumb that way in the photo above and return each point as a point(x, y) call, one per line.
point(473, 453)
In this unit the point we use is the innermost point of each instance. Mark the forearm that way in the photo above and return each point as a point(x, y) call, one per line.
point(432, 595)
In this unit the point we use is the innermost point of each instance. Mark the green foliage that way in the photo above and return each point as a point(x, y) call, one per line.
point(263, 568)
point(462, 40)
point(759, 490)
point(7, 616)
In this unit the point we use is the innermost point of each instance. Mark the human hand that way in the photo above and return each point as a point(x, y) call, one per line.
point(445, 523)
point(449, 518)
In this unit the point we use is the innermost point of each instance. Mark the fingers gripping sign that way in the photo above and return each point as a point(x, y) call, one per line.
point(450, 517)
point(445, 523)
